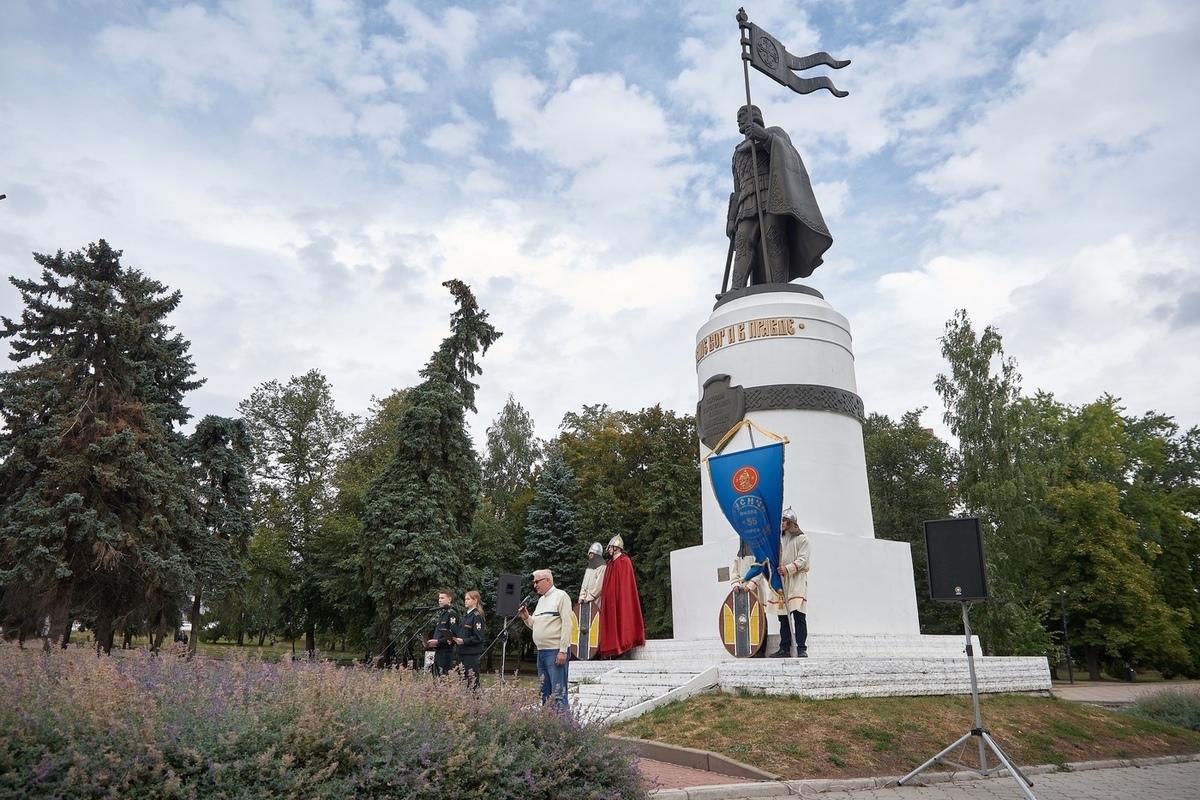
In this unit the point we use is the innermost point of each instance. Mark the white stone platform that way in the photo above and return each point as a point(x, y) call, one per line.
point(610, 691)
point(838, 666)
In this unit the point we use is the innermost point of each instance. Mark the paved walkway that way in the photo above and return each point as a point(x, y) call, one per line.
point(1157, 782)
point(1116, 693)
point(673, 776)
point(1171, 780)
point(1156, 779)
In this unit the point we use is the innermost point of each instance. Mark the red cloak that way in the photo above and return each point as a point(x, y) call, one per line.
point(621, 626)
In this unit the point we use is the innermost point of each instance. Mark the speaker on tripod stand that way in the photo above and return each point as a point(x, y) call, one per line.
point(958, 574)
point(954, 553)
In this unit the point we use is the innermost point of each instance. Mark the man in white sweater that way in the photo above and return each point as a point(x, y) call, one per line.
point(551, 626)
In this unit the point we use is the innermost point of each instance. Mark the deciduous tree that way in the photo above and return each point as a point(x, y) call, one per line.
point(981, 395)
point(912, 477)
point(299, 439)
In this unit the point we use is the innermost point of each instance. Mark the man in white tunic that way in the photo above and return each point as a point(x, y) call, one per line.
point(747, 576)
point(593, 576)
point(794, 556)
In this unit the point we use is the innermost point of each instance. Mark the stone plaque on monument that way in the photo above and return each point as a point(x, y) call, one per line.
point(720, 408)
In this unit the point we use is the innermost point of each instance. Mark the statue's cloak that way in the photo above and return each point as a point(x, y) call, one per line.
point(790, 194)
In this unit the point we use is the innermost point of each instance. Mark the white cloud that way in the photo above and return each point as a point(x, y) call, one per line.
point(460, 136)
point(315, 112)
point(308, 173)
point(452, 38)
point(611, 144)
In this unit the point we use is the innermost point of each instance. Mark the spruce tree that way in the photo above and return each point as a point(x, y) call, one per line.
point(417, 514)
point(551, 528)
point(219, 452)
point(97, 511)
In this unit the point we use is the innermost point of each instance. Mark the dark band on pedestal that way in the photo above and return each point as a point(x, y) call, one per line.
point(804, 397)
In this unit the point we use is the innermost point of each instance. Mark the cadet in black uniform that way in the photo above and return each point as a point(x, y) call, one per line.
point(443, 634)
point(470, 639)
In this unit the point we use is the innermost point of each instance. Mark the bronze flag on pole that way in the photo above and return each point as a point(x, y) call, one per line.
point(768, 55)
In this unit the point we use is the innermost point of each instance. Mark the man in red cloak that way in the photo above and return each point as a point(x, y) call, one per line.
point(621, 626)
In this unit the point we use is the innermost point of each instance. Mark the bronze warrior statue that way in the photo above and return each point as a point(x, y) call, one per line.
point(796, 235)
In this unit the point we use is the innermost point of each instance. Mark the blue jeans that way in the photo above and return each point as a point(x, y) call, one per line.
point(552, 678)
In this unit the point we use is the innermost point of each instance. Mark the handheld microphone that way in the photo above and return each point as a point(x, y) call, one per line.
point(525, 600)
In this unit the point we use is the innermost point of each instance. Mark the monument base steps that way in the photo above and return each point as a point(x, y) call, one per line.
point(605, 692)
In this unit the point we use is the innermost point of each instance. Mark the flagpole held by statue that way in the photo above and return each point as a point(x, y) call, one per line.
point(776, 356)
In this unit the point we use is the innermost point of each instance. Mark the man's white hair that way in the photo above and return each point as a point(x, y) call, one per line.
point(544, 573)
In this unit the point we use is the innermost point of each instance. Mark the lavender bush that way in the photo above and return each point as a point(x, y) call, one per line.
point(73, 725)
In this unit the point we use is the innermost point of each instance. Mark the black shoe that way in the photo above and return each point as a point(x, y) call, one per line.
point(801, 653)
point(780, 653)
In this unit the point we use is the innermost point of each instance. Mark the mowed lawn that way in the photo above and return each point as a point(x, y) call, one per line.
point(800, 738)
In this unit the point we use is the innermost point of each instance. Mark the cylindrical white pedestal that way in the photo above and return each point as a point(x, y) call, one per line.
point(784, 355)
point(791, 354)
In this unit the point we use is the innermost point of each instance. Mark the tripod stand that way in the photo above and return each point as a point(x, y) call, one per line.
point(502, 636)
point(411, 631)
point(985, 741)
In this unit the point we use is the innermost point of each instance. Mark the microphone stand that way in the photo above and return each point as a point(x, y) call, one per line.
point(411, 628)
point(503, 635)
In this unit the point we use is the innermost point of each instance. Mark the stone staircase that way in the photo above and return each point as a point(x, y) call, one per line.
point(604, 692)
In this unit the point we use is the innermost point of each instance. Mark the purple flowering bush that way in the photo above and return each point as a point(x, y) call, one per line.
point(74, 725)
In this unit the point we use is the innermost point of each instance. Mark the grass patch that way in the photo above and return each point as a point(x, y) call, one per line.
point(882, 740)
point(1170, 707)
point(800, 738)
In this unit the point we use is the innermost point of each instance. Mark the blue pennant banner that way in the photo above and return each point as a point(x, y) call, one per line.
point(749, 488)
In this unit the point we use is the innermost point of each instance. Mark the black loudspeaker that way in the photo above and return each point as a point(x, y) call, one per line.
point(508, 595)
point(954, 553)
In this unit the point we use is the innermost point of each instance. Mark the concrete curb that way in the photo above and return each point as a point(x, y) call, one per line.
point(695, 759)
point(780, 788)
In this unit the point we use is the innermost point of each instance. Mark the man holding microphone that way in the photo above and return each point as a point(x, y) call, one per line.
point(551, 626)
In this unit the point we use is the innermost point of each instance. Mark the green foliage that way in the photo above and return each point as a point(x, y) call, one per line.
point(981, 395)
point(551, 528)
point(1169, 707)
point(639, 478)
point(299, 439)
point(417, 512)
point(1111, 595)
point(97, 510)
point(1080, 503)
point(219, 452)
point(139, 726)
point(912, 477)
point(1163, 497)
point(511, 460)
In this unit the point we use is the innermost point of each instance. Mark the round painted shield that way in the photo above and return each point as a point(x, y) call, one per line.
point(585, 630)
point(743, 624)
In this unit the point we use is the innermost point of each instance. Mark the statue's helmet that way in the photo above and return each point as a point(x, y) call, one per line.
point(754, 112)
point(596, 549)
point(617, 542)
point(789, 515)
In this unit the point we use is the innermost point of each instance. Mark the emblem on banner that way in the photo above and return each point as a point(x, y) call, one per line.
point(745, 479)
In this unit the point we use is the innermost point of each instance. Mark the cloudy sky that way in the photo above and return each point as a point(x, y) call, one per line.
point(308, 172)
